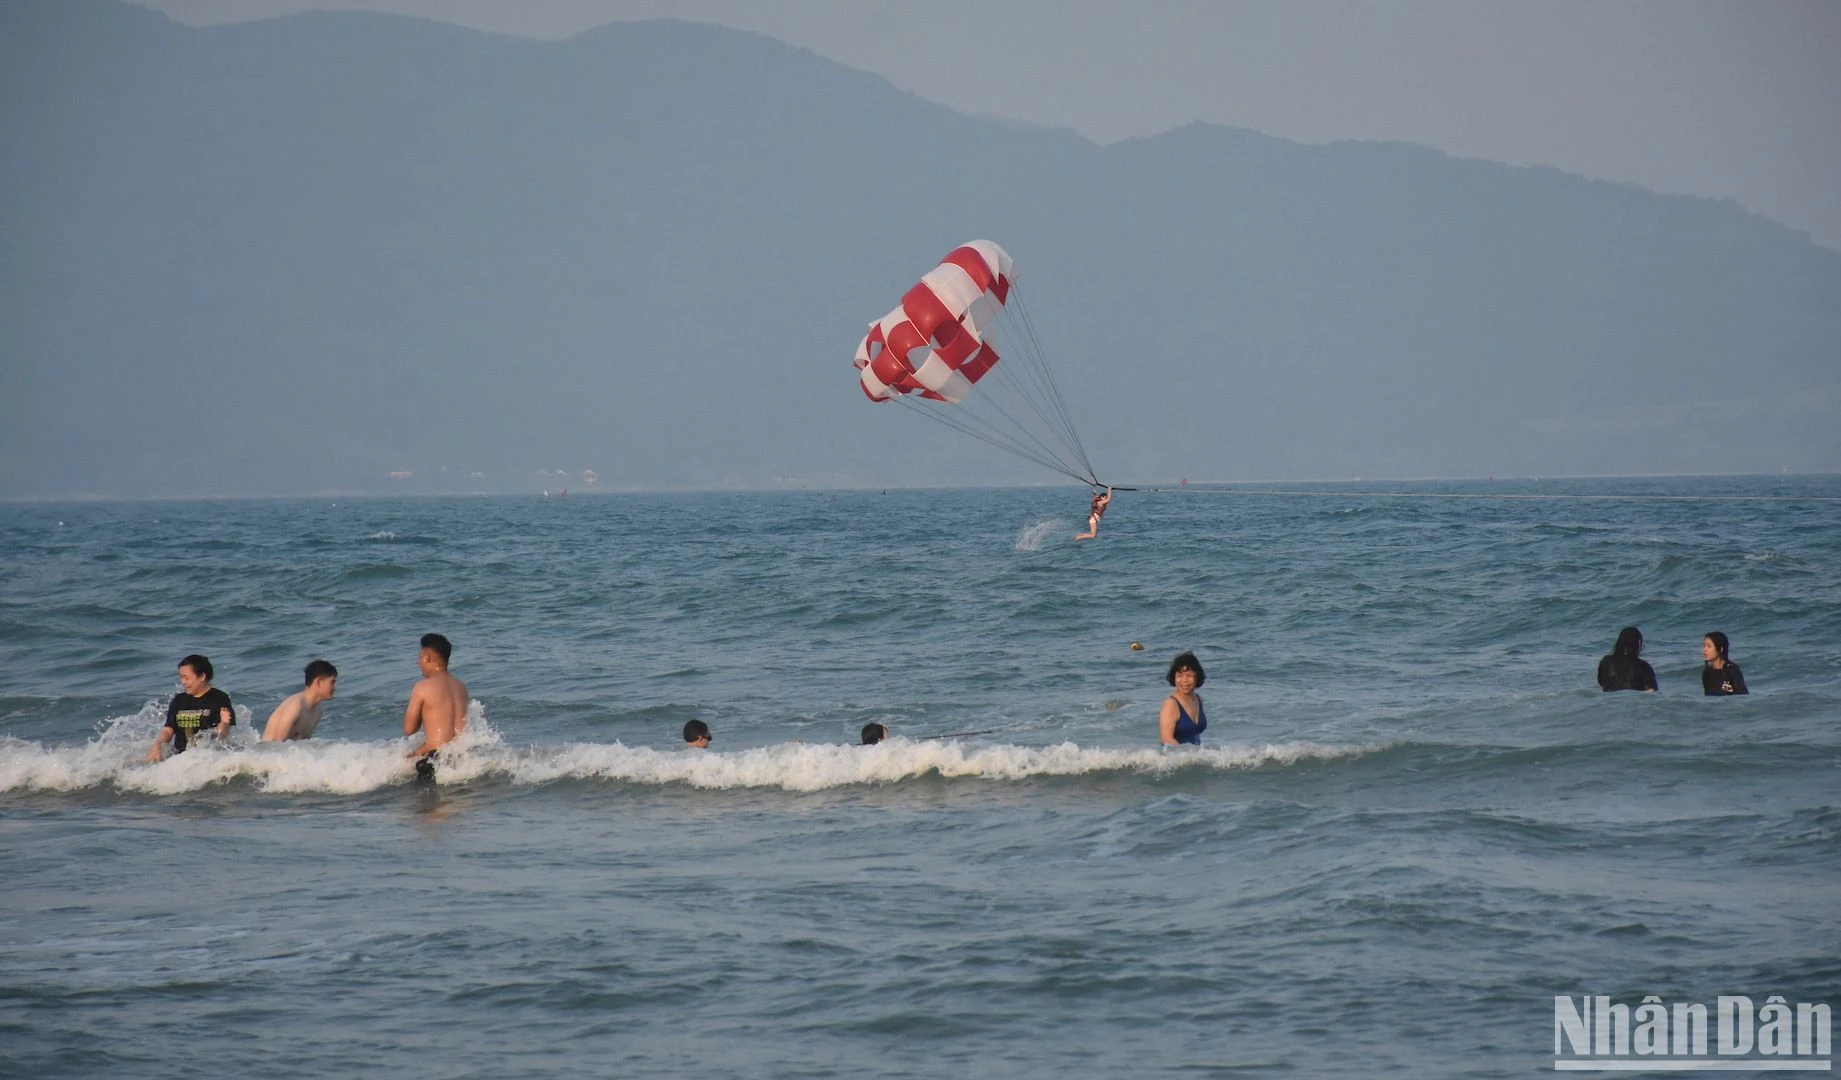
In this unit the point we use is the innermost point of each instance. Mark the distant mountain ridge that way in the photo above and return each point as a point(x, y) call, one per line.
point(304, 254)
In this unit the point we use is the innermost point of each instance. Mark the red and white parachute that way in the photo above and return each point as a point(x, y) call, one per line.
point(940, 342)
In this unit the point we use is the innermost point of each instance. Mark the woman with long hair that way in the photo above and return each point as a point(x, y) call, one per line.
point(1625, 668)
point(1719, 676)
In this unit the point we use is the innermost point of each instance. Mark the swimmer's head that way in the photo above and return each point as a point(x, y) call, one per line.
point(438, 645)
point(1629, 642)
point(195, 675)
point(1715, 644)
point(874, 733)
point(1185, 661)
point(697, 734)
point(320, 669)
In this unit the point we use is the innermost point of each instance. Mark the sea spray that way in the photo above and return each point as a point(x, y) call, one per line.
point(347, 768)
point(1030, 539)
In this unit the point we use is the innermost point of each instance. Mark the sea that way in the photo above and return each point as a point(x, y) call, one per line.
point(1414, 821)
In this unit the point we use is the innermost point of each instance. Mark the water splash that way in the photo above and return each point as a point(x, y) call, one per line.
point(115, 759)
point(1030, 539)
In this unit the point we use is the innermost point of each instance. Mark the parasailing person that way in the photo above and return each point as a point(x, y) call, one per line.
point(1096, 511)
point(940, 342)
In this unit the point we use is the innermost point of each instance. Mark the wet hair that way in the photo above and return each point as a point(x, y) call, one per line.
point(1185, 661)
point(874, 733)
point(442, 647)
point(198, 664)
point(1629, 642)
point(1720, 643)
point(695, 729)
point(320, 669)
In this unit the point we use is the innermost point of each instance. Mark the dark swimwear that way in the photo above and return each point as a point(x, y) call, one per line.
point(425, 767)
point(1187, 730)
point(1720, 682)
point(188, 715)
point(1625, 673)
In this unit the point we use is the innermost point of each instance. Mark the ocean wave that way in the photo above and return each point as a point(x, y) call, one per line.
point(114, 759)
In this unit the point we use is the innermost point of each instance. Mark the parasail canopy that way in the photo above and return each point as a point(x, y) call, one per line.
point(940, 342)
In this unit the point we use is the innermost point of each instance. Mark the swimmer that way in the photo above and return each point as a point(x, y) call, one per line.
point(1624, 668)
point(1095, 511)
point(298, 715)
point(437, 705)
point(697, 735)
point(1182, 719)
point(194, 710)
point(1719, 677)
point(874, 733)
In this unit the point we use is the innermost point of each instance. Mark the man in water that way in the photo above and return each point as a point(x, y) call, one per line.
point(874, 733)
point(1094, 512)
point(198, 707)
point(697, 735)
point(437, 705)
point(296, 717)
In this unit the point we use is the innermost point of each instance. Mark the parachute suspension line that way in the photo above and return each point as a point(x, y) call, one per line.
point(990, 401)
point(984, 431)
point(1038, 390)
point(1040, 370)
point(1016, 406)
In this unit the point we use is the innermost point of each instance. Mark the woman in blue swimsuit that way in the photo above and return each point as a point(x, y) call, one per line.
point(1183, 719)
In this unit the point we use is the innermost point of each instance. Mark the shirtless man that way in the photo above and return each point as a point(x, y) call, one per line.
point(437, 705)
point(296, 717)
point(1094, 513)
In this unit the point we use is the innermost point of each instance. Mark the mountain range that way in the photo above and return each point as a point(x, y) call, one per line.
point(366, 253)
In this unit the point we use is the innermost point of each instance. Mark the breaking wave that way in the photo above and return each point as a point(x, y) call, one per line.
point(114, 759)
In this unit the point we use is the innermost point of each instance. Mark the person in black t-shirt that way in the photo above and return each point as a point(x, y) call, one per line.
point(1624, 668)
point(1719, 677)
point(201, 707)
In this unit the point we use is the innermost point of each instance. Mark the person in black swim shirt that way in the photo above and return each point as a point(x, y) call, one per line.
point(1624, 668)
point(200, 707)
point(1719, 677)
point(1182, 719)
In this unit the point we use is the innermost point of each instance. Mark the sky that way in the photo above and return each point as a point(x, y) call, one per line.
point(1720, 99)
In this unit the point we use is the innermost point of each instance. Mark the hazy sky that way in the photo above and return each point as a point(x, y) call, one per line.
point(1726, 99)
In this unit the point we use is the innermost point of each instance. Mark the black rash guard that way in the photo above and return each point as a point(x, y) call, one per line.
point(1720, 682)
point(1625, 673)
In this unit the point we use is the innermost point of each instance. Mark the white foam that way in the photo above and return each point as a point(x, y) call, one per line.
point(1030, 539)
point(115, 758)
